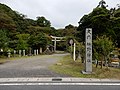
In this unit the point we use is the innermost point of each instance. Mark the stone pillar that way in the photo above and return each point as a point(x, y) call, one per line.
point(35, 52)
point(88, 55)
point(14, 53)
point(40, 50)
point(9, 53)
point(23, 52)
point(19, 53)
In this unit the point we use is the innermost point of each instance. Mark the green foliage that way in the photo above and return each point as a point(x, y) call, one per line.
point(102, 47)
point(22, 43)
point(24, 32)
point(70, 30)
point(98, 20)
point(4, 40)
point(40, 40)
point(6, 21)
point(102, 4)
point(43, 22)
point(106, 30)
point(17, 26)
point(102, 21)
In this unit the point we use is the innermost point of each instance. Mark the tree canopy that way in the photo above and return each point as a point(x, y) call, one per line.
point(14, 27)
point(103, 22)
point(17, 27)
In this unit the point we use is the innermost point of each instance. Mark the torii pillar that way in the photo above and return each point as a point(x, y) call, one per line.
point(55, 45)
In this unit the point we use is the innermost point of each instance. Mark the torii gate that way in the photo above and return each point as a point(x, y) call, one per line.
point(55, 40)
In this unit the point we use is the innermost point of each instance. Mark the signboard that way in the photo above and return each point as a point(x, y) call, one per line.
point(71, 41)
point(88, 47)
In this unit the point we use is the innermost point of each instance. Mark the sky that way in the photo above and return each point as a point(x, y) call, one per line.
point(60, 12)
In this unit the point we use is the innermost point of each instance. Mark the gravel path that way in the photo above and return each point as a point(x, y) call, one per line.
point(37, 66)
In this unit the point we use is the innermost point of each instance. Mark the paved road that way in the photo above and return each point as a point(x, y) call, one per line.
point(60, 88)
point(68, 86)
point(37, 66)
point(64, 84)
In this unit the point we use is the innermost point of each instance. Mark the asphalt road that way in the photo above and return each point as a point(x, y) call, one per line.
point(65, 84)
point(36, 66)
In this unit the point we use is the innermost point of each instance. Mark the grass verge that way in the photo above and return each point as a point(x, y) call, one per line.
point(68, 67)
point(2, 61)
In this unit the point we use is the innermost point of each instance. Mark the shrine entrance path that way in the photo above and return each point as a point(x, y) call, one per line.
point(36, 66)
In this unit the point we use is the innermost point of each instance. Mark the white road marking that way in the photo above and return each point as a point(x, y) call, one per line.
point(59, 84)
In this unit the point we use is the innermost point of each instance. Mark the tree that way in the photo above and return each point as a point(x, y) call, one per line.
point(102, 4)
point(4, 40)
point(19, 28)
point(43, 22)
point(98, 20)
point(70, 30)
point(22, 43)
point(6, 22)
point(40, 40)
point(103, 46)
point(115, 26)
point(103, 22)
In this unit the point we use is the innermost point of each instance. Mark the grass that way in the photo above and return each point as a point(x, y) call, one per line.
point(2, 61)
point(60, 52)
point(68, 67)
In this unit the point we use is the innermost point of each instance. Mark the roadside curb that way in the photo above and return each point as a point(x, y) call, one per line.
point(56, 79)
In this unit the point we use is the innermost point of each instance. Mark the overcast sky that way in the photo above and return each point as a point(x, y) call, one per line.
point(59, 12)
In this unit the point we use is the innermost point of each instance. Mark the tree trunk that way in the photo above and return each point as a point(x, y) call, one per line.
point(105, 61)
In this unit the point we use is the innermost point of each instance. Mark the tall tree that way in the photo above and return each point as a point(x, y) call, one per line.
point(4, 40)
point(40, 40)
point(22, 42)
point(98, 20)
point(43, 22)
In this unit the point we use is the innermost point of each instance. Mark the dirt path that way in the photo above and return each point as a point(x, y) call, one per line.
point(37, 66)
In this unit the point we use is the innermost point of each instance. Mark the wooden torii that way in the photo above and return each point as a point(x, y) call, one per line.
point(55, 40)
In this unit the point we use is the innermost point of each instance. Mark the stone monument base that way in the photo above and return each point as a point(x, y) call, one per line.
point(84, 72)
